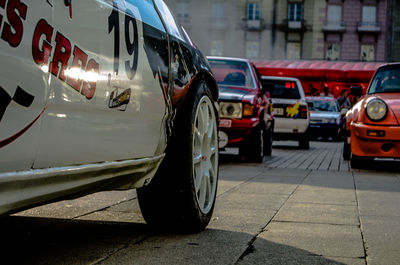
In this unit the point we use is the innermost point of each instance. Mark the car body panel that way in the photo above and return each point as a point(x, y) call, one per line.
point(69, 114)
point(370, 138)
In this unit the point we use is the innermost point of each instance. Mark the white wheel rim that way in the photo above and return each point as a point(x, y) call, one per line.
point(205, 154)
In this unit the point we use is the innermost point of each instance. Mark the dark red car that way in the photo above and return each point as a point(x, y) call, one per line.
point(245, 108)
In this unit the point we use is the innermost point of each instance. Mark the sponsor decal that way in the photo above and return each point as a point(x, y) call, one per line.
point(22, 98)
point(293, 110)
point(118, 100)
point(51, 55)
point(62, 50)
point(21, 132)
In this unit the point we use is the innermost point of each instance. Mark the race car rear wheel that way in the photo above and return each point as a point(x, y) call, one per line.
point(182, 194)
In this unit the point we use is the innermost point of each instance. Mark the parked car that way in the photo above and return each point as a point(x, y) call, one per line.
point(372, 125)
point(246, 120)
point(102, 95)
point(325, 118)
point(292, 117)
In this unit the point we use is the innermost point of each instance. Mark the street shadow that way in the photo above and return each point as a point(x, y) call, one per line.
point(32, 240)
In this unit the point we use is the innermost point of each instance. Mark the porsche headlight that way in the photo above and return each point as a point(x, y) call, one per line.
point(231, 110)
point(376, 110)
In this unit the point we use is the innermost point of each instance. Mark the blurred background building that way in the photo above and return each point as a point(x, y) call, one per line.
point(346, 30)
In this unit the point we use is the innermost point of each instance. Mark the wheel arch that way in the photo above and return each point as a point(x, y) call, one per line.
point(209, 78)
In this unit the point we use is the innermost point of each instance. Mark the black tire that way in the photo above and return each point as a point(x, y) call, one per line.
point(304, 142)
point(171, 202)
point(256, 145)
point(252, 148)
point(346, 150)
point(268, 141)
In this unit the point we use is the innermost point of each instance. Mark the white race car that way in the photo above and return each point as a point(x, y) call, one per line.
point(100, 95)
point(292, 116)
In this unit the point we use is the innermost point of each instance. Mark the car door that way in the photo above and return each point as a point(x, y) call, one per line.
point(23, 84)
point(106, 100)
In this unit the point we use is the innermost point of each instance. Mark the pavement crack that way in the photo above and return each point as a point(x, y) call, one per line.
point(102, 209)
point(122, 247)
point(359, 220)
point(314, 223)
point(250, 245)
point(238, 185)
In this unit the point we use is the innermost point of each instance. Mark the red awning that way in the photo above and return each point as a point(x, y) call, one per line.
point(319, 70)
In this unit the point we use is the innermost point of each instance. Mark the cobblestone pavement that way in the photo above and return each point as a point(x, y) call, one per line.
point(298, 207)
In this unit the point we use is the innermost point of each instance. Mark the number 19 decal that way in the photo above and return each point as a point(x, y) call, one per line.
point(132, 44)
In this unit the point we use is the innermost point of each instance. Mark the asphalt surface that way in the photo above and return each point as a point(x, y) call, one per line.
point(298, 207)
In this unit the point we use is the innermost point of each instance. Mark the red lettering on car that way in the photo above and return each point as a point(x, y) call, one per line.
point(89, 87)
point(2, 5)
point(41, 52)
point(79, 62)
point(12, 33)
point(61, 55)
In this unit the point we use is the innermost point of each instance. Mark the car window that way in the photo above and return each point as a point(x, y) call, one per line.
point(387, 80)
point(281, 88)
point(323, 105)
point(147, 12)
point(169, 20)
point(232, 73)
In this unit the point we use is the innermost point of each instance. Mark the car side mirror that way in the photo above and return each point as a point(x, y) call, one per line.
point(343, 112)
point(310, 104)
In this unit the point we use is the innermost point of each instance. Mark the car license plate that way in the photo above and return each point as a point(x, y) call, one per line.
point(225, 123)
point(223, 139)
point(278, 111)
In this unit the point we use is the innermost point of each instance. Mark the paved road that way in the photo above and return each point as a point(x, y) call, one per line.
point(298, 207)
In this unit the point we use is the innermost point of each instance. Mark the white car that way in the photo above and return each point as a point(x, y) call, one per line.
point(292, 117)
point(99, 95)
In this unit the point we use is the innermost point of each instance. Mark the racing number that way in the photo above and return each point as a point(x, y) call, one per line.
point(132, 47)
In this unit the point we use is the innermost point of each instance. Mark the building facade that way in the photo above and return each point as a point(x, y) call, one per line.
point(354, 30)
point(393, 48)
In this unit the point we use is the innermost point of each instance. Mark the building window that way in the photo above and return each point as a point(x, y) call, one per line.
point(216, 48)
point(183, 10)
point(334, 13)
point(332, 51)
point(293, 50)
point(218, 10)
point(295, 11)
point(252, 49)
point(367, 52)
point(253, 11)
point(369, 14)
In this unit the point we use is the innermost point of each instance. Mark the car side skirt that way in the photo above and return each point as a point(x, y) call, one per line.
point(25, 189)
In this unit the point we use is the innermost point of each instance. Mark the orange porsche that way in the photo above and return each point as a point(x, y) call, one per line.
point(373, 124)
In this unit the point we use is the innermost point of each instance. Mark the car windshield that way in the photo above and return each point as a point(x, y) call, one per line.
point(387, 80)
point(281, 88)
point(232, 73)
point(323, 105)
